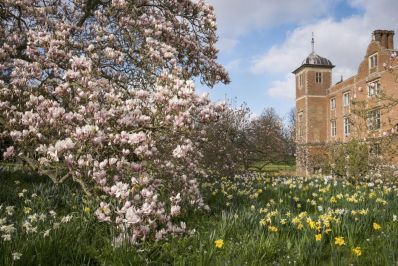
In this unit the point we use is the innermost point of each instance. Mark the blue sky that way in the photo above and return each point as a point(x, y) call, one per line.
point(262, 41)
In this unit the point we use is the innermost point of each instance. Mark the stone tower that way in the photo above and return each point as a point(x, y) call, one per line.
point(313, 79)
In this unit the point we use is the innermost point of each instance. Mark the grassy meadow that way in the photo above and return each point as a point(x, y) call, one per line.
point(255, 219)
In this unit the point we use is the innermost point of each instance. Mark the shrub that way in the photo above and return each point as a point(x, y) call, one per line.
point(350, 159)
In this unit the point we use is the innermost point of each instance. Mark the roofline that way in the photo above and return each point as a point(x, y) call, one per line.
point(312, 65)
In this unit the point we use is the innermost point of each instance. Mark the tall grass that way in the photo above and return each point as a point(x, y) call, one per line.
point(244, 214)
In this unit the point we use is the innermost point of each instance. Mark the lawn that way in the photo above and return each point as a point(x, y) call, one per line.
point(273, 168)
point(254, 219)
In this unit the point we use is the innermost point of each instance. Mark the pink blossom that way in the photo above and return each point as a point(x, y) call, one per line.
point(9, 153)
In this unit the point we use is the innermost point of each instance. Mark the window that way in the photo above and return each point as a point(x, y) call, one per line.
point(373, 88)
point(374, 119)
point(333, 103)
point(301, 81)
point(300, 125)
point(318, 77)
point(346, 126)
point(373, 61)
point(346, 99)
point(333, 128)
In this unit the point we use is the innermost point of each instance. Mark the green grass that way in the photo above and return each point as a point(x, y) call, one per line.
point(273, 167)
point(243, 209)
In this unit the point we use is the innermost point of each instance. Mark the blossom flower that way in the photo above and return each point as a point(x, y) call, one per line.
point(27, 210)
point(16, 255)
point(311, 223)
point(10, 210)
point(219, 243)
point(131, 216)
point(318, 237)
point(6, 237)
point(66, 219)
point(339, 241)
point(357, 251)
point(46, 233)
point(103, 212)
point(273, 229)
point(175, 210)
point(376, 226)
point(8, 229)
point(9, 153)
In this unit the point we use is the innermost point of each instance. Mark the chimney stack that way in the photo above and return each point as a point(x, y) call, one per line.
point(385, 38)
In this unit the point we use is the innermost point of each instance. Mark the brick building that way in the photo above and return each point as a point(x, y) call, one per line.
point(325, 111)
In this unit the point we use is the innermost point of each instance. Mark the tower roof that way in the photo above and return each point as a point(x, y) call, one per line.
point(314, 60)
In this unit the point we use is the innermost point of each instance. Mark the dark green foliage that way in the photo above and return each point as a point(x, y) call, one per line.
point(351, 159)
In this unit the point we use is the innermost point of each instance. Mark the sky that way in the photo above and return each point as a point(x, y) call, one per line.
point(262, 41)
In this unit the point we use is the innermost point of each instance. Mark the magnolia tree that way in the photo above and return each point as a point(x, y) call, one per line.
point(100, 92)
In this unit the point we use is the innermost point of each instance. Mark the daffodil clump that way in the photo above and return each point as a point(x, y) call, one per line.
point(31, 219)
point(254, 219)
point(330, 213)
point(231, 190)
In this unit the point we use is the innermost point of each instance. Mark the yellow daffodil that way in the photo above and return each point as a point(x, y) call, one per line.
point(318, 237)
point(219, 243)
point(376, 226)
point(311, 223)
point(273, 229)
point(339, 241)
point(300, 226)
point(27, 210)
point(303, 214)
point(296, 220)
point(357, 251)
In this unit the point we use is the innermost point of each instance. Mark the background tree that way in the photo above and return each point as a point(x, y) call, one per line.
point(290, 135)
point(226, 148)
point(268, 143)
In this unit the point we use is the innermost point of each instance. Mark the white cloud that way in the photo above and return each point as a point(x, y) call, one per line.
point(343, 42)
point(282, 88)
point(237, 17)
point(226, 44)
point(233, 65)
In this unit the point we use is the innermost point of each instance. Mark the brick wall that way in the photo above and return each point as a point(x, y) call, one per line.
point(313, 101)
